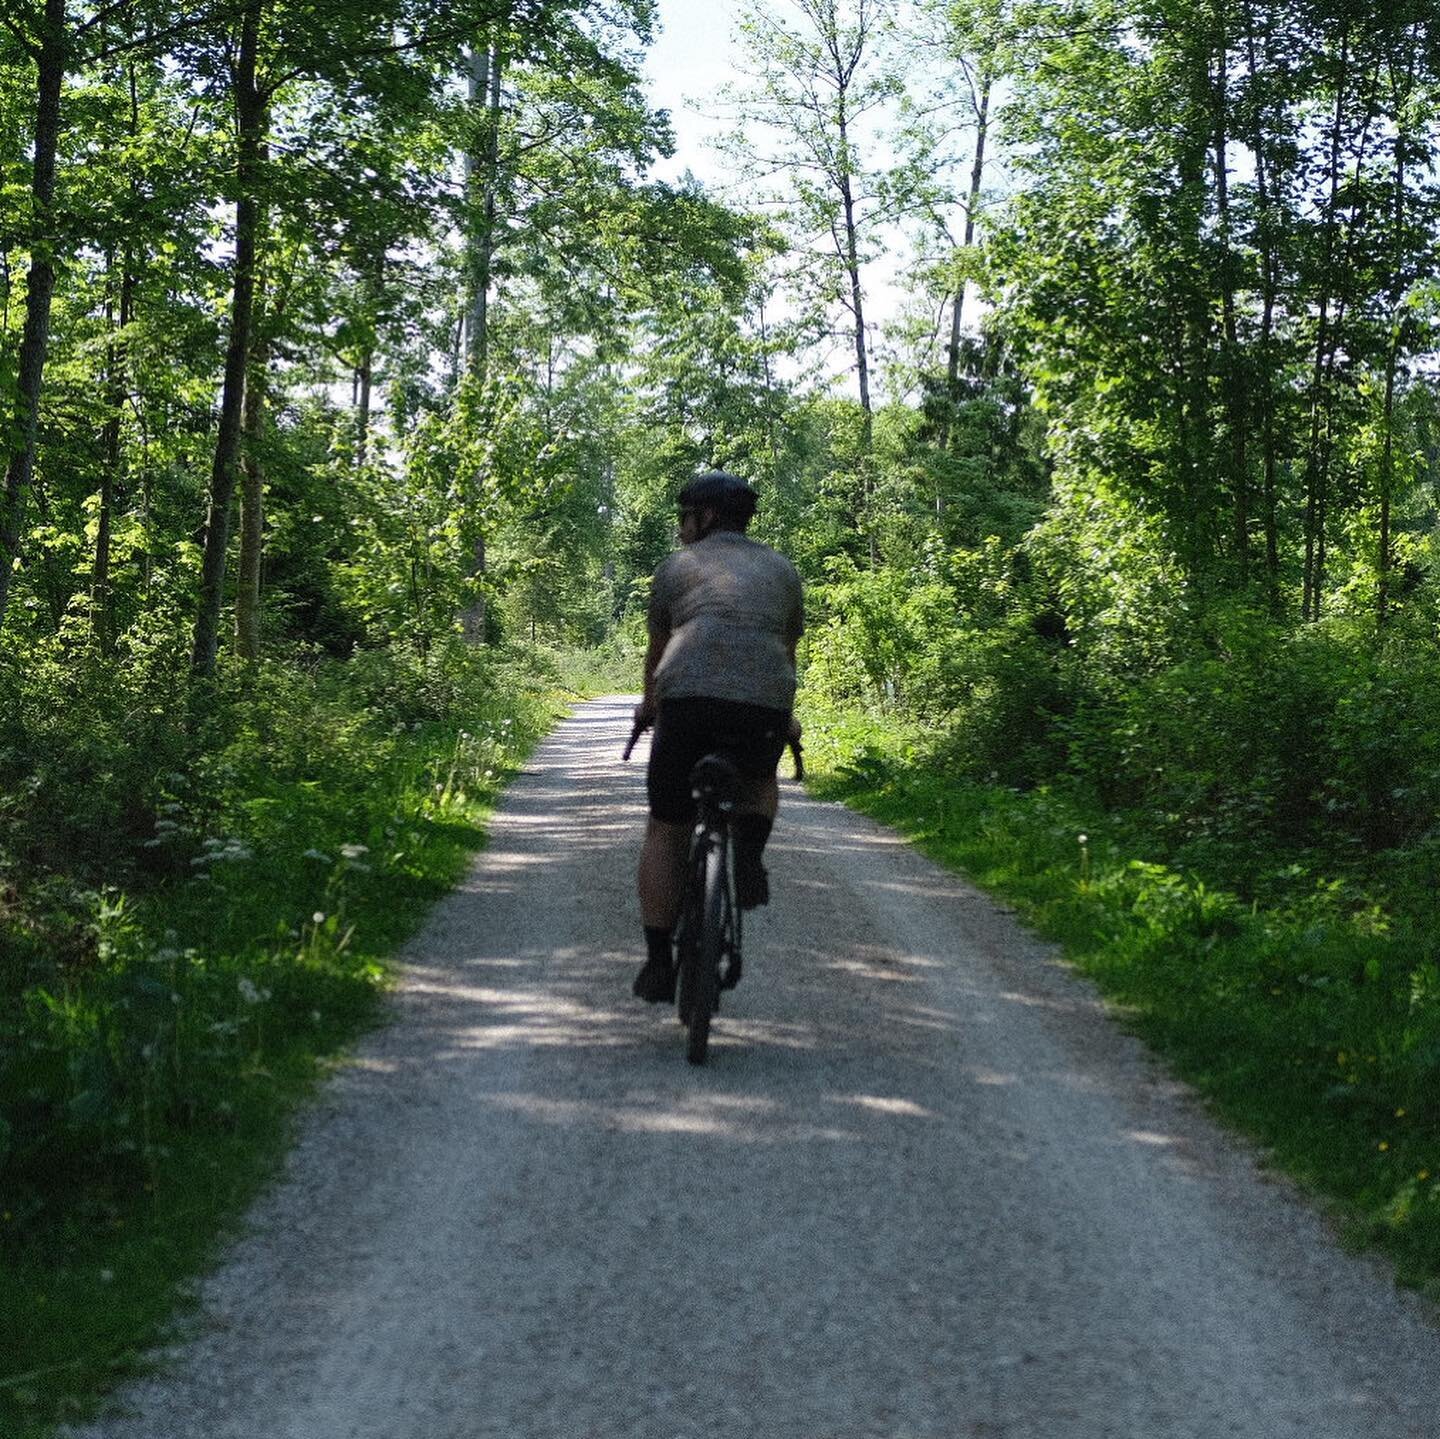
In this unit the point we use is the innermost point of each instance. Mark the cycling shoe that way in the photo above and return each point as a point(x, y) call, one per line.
point(655, 983)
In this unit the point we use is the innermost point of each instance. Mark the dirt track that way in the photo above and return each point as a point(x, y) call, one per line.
point(924, 1188)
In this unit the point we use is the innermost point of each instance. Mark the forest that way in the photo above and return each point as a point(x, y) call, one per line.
point(352, 351)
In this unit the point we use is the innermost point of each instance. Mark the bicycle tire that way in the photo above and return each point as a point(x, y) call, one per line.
point(705, 967)
point(687, 935)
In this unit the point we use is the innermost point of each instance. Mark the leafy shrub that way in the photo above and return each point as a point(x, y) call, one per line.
point(187, 916)
point(1315, 740)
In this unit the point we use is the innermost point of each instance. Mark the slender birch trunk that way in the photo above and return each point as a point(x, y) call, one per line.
point(972, 204)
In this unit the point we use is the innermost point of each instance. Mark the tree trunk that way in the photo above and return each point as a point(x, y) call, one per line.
point(481, 178)
point(1385, 559)
point(101, 628)
point(250, 117)
point(252, 502)
point(857, 306)
point(851, 259)
point(771, 442)
point(1265, 349)
point(1314, 479)
point(39, 292)
point(1236, 417)
point(482, 183)
point(365, 375)
point(1348, 273)
point(977, 172)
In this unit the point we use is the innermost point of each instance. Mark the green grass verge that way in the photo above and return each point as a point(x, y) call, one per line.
point(156, 1064)
point(1311, 1022)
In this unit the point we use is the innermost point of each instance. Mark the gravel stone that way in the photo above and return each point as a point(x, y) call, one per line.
point(925, 1187)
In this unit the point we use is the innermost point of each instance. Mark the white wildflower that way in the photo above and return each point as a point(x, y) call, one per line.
point(354, 851)
point(248, 992)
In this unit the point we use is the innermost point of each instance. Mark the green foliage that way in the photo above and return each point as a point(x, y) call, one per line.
point(1343, 766)
point(222, 858)
point(410, 565)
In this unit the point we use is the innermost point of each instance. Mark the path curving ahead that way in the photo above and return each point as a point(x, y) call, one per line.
point(924, 1188)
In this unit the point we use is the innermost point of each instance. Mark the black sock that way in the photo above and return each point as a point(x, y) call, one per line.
point(658, 944)
point(751, 832)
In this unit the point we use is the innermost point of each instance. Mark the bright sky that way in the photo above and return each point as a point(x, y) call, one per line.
point(694, 55)
point(692, 58)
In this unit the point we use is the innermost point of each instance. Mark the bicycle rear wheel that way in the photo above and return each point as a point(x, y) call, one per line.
point(704, 953)
point(687, 935)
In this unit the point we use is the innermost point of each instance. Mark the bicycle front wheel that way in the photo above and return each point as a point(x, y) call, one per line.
point(705, 953)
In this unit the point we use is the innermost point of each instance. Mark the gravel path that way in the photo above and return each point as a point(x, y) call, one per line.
point(923, 1188)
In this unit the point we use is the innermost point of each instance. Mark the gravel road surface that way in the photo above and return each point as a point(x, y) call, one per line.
point(923, 1188)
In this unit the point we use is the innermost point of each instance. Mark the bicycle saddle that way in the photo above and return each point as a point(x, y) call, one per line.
point(715, 775)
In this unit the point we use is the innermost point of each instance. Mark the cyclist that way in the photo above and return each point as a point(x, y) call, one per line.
point(726, 613)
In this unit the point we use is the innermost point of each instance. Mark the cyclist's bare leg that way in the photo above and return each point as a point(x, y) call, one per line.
point(662, 872)
point(753, 817)
point(760, 797)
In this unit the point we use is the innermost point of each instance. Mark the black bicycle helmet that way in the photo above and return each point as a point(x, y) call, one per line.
point(728, 494)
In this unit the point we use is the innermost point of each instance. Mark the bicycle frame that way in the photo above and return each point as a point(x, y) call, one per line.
point(709, 933)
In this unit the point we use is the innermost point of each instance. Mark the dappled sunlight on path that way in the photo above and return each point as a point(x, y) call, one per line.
point(923, 1188)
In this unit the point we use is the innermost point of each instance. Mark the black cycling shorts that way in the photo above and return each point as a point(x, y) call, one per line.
point(751, 737)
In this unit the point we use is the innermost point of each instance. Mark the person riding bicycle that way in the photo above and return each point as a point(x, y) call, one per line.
point(726, 613)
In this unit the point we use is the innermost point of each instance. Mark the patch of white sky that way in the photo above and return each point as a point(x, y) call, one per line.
point(696, 55)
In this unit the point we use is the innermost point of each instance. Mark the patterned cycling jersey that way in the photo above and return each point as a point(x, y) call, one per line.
point(732, 607)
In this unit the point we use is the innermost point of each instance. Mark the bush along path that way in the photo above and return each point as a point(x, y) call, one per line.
point(157, 1032)
point(1307, 1012)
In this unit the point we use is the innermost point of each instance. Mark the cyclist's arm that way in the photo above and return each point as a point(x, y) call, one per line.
point(791, 645)
point(659, 638)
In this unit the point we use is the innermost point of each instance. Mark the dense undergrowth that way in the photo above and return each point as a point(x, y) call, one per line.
point(1230, 893)
point(199, 888)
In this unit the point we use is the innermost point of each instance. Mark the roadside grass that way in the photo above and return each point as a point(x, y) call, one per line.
point(1309, 1018)
point(155, 1041)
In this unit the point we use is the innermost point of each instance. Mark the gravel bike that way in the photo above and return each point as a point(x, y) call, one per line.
point(709, 934)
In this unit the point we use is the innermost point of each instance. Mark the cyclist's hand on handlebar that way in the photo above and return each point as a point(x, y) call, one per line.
point(643, 719)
